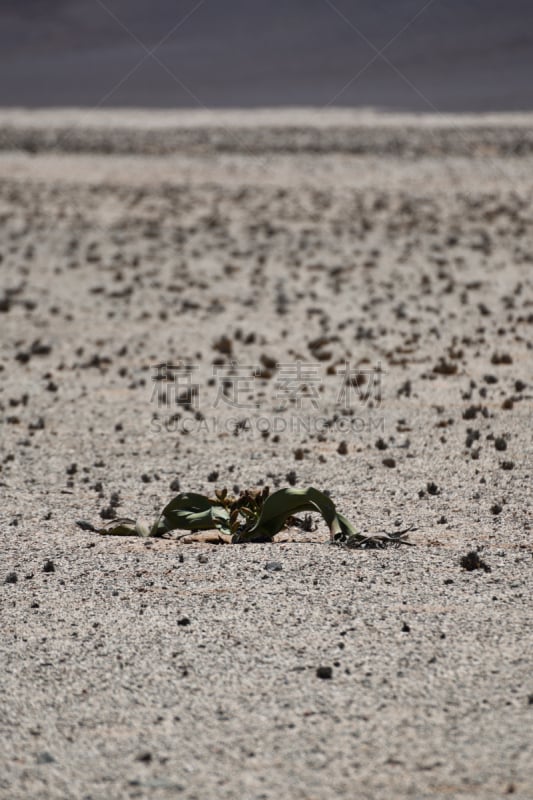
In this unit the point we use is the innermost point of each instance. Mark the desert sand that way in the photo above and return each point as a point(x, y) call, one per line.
point(244, 244)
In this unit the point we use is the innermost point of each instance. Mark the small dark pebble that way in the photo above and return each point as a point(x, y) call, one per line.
point(40, 349)
point(184, 621)
point(22, 357)
point(496, 509)
point(108, 513)
point(500, 443)
point(213, 476)
point(432, 488)
point(326, 673)
point(44, 758)
point(291, 478)
point(145, 758)
point(11, 577)
point(273, 566)
point(202, 558)
point(49, 566)
point(114, 500)
point(389, 462)
point(175, 485)
point(501, 358)
point(342, 449)
point(471, 437)
point(471, 412)
point(406, 628)
point(473, 561)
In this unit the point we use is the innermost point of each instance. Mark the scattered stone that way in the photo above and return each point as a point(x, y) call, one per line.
point(175, 485)
point(389, 462)
point(114, 500)
point(40, 349)
point(37, 425)
point(291, 478)
point(144, 758)
point(11, 577)
point(184, 621)
point(268, 362)
point(445, 368)
point(44, 758)
point(108, 512)
point(49, 566)
point(342, 449)
point(273, 566)
point(501, 358)
point(473, 561)
point(471, 412)
point(223, 345)
point(472, 435)
point(203, 559)
point(325, 673)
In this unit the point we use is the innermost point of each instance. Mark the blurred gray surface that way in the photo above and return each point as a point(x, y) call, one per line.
point(450, 56)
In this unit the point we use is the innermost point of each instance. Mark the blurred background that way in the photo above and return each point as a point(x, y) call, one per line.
point(445, 55)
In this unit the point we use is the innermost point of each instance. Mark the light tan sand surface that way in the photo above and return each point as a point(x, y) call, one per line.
point(251, 246)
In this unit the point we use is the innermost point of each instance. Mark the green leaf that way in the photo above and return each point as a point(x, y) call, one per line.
point(120, 527)
point(283, 504)
point(252, 517)
point(189, 511)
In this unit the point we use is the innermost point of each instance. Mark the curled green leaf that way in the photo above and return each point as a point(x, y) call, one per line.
point(253, 516)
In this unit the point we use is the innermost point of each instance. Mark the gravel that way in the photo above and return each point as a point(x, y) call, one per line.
point(162, 669)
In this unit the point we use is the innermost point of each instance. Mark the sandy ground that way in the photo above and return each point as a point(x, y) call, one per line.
point(159, 670)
